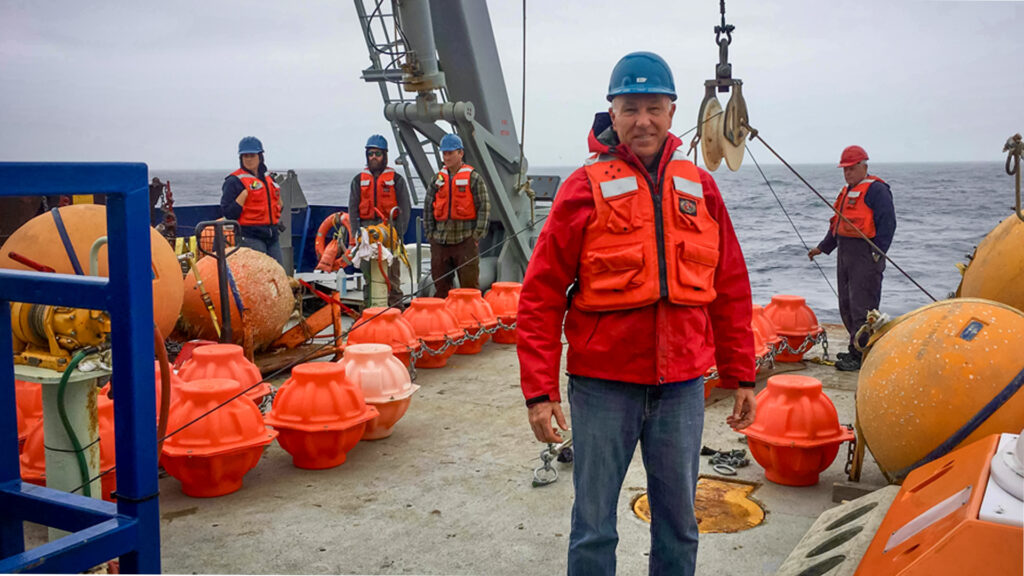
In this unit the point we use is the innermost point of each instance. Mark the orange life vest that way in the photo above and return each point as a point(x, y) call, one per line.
point(377, 193)
point(852, 205)
point(625, 256)
point(453, 199)
point(263, 204)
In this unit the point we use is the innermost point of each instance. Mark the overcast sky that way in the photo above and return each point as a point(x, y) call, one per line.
point(175, 84)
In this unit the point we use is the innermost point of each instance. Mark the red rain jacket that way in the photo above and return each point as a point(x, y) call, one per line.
point(655, 344)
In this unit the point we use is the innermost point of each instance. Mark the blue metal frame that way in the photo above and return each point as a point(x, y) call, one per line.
point(100, 531)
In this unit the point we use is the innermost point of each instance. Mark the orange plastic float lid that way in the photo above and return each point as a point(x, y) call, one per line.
point(381, 376)
point(504, 299)
point(225, 361)
point(235, 426)
point(791, 316)
point(380, 325)
point(471, 309)
point(431, 321)
point(792, 411)
point(318, 397)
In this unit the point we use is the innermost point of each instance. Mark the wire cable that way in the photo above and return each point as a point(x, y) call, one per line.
point(756, 134)
point(791, 223)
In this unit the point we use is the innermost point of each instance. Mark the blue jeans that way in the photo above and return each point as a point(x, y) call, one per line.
point(608, 418)
point(269, 246)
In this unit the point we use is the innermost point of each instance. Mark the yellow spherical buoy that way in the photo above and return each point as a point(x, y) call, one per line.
point(997, 270)
point(934, 370)
point(39, 241)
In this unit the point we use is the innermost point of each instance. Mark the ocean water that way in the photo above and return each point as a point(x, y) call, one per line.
point(943, 211)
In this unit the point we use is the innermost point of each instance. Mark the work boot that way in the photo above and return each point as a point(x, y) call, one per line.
point(843, 355)
point(848, 364)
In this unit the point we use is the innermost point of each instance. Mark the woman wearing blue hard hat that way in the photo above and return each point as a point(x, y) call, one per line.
point(254, 200)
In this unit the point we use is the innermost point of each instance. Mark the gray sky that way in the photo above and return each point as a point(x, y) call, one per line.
point(175, 84)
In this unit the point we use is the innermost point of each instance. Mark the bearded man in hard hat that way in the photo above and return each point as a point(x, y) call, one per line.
point(456, 213)
point(866, 204)
point(379, 190)
point(251, 197)
point(639, 258)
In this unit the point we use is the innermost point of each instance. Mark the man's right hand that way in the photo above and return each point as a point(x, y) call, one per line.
point(540, 421)
point(812, 253)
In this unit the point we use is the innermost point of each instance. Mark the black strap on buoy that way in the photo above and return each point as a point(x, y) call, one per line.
point(967, 429)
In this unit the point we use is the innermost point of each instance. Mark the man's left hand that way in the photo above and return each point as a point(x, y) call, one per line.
point(744, 409)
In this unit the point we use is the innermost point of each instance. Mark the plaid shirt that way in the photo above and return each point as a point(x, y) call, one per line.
point(455, 231)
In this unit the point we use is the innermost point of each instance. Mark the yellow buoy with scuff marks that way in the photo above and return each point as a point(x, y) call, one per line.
point(996, 271)
point(932, 371)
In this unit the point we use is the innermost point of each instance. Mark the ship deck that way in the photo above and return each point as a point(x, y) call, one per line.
point(450, 493)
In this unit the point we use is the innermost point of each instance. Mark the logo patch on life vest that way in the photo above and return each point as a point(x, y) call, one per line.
point(688, 207)
point(256, 185)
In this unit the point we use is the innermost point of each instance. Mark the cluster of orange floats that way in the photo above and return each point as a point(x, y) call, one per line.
point(217, 433)
point(796, 433)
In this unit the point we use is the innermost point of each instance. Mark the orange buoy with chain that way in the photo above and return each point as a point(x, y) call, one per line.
point(796, 432)
point(475, 316)
point(796, 323)
point(504, 300)
point(434, 325)
point(219, 441)
point(320, 414)
point(385, 326)
point(226, 361)
point(385, 384)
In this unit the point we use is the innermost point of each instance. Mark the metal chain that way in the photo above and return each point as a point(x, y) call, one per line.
point(449, 342)
point(810, 341)
point(851, 447)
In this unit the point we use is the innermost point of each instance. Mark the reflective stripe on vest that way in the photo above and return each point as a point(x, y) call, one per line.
point(263, 204)
point(620, 267)
point(852, 205)
point(381, 195)
point(453, 197)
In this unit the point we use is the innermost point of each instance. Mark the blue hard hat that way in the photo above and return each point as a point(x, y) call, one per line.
point(451, 142)
point(250, 145)
point(641, 73)
point(377, 141)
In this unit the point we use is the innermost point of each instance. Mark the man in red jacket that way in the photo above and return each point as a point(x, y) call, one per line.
point(639, 259)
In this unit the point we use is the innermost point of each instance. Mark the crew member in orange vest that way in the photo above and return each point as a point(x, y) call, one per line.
point(639, 262)
point(456, 214)
point(252, 198)
point(377, 190)
point(866, 202)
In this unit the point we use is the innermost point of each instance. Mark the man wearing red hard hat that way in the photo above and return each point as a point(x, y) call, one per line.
point(866, 203)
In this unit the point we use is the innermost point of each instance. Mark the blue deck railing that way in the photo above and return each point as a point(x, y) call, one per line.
point(100, 531)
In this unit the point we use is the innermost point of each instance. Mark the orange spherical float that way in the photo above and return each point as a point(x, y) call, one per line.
point(945, 374)
point(39, 241)
point(265, 291)
point(996, 271)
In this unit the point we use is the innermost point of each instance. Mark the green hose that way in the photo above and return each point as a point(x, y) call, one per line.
point(83, 467)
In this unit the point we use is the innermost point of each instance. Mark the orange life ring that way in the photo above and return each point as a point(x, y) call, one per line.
point(328, 230)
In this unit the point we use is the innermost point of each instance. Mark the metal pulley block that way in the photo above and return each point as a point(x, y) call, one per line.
point(723, 133)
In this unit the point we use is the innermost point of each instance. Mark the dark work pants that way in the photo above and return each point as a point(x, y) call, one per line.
point(860, 285)
point(447, 257)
